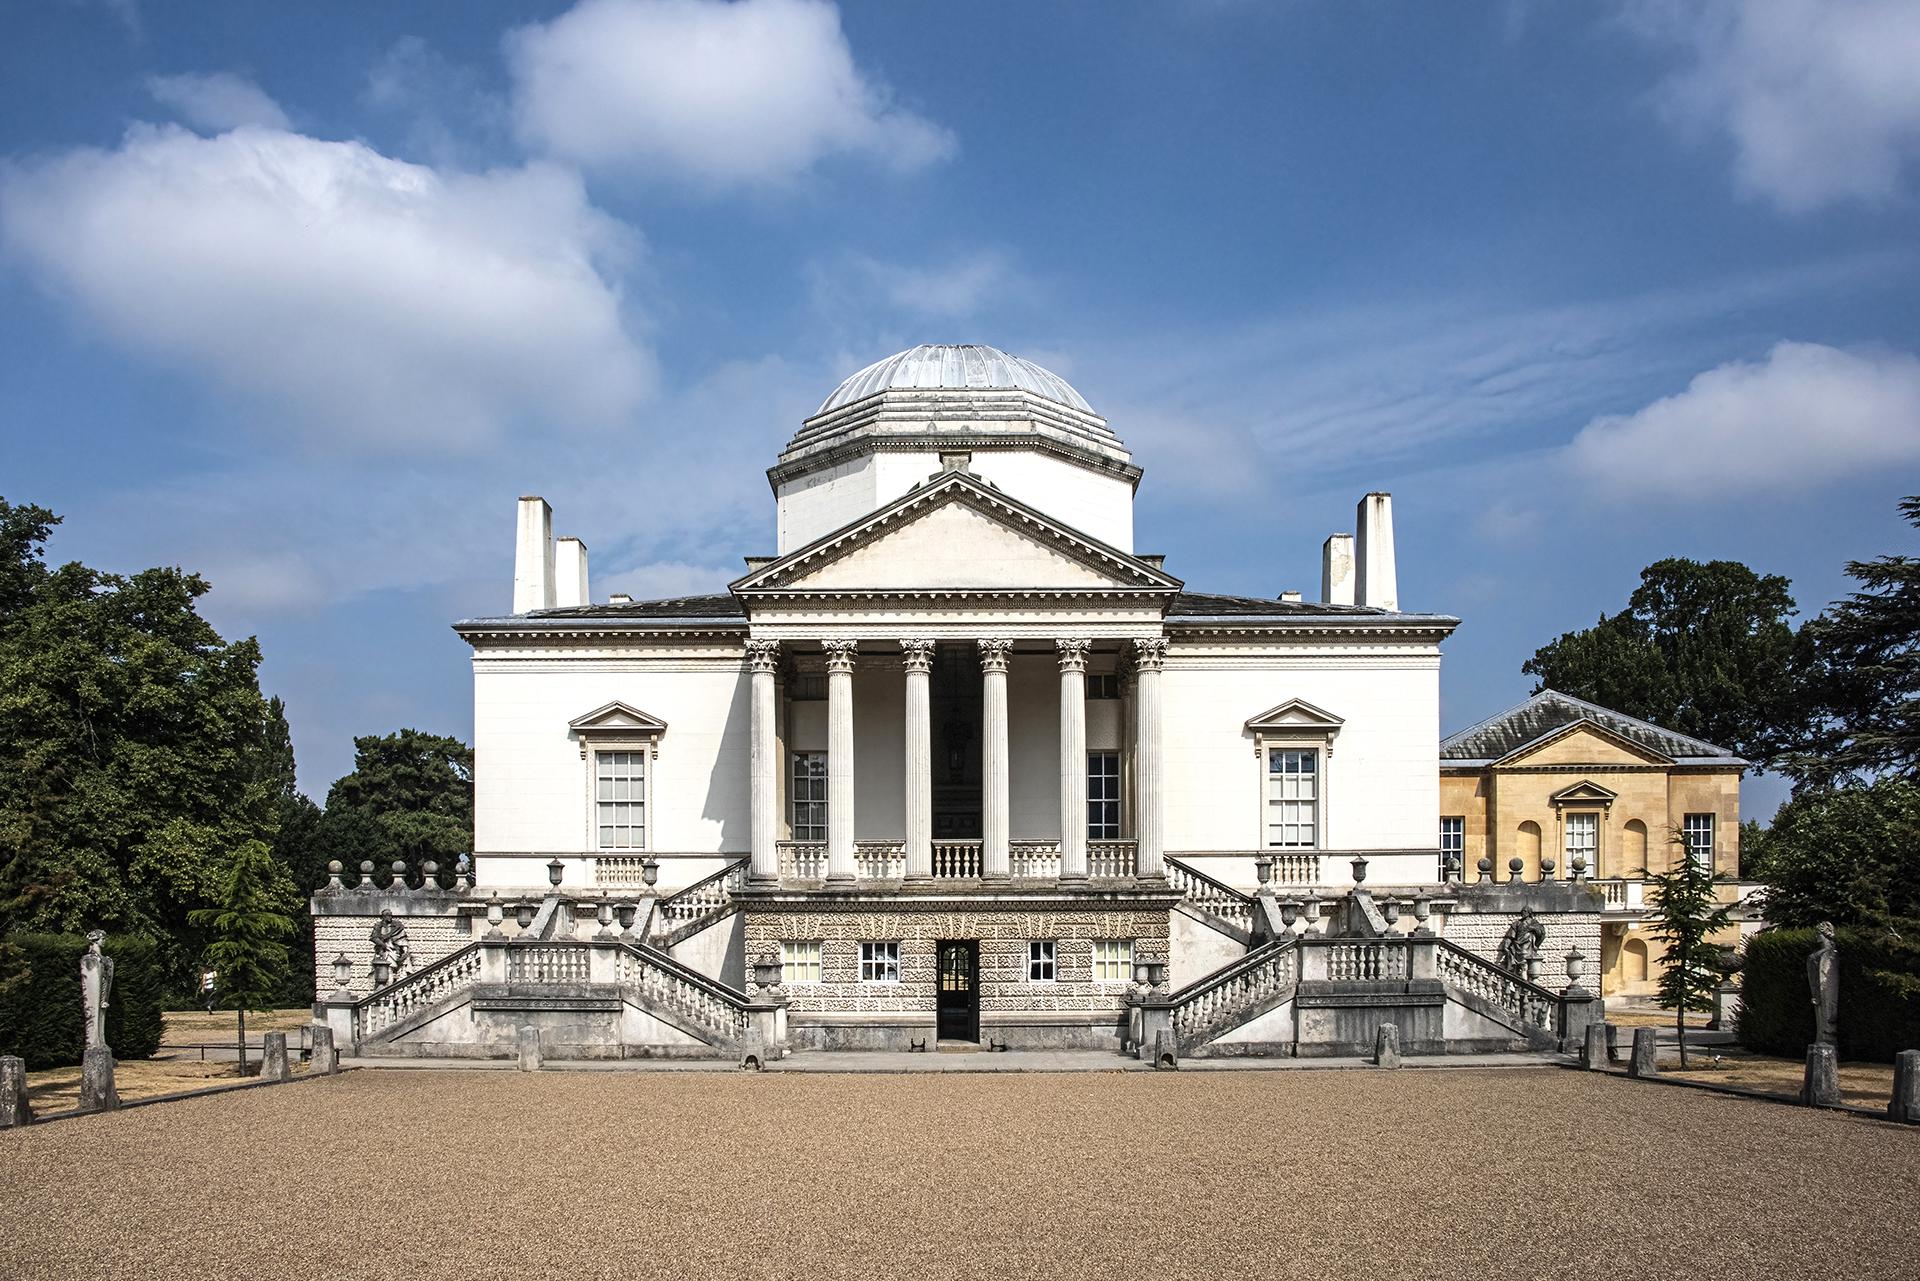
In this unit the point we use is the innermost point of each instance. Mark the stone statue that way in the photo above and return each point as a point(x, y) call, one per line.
point(1523, 941)
point(1823, 981)
point(96, 987)
point(390, 941)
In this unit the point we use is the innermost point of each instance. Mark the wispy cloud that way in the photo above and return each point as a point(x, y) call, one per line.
point(218, 101)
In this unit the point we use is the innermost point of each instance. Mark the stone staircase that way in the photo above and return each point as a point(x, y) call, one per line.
point(706, 902)
point(1211, 902)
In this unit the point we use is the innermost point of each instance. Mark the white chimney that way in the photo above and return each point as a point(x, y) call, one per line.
point(533, 557)
point(1336, 569)
point(1377, 582)
point(1289, 598)
point(570, 573)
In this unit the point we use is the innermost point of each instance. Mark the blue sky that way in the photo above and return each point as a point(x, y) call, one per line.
point(304, 298)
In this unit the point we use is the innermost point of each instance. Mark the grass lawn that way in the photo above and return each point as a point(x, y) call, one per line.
point(172, 1069)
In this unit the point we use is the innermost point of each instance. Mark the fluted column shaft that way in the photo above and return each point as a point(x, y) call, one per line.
point(995, 858)
point(840, 656)
point(763, 656)
point(919, 774)
point(1073, 759)
point(1149, 769)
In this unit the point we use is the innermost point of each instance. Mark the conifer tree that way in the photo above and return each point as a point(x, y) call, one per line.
point(1685, 913)
point(248, 926)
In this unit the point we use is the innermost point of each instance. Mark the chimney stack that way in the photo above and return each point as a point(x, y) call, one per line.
point(570, 573)
point(1377, 581)
point(533, 557)
point(1336, 569)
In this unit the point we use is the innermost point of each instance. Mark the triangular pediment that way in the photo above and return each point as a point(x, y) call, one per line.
point(957, 533)
point(1585, 792)
point(617, 717)
point(1584, 742)
point(1296, 713)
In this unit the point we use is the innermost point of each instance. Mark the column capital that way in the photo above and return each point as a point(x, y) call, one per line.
point(994, 655)
point(1150, 653)
point(1073, 654)
point(840, 654)
point(919, 655)
point(763, 655)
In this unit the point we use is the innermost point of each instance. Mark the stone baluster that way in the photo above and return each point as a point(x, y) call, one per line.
point(763, 656)
point(1149, 656)
point(840, 801)
point(995, 856)
point(1073, 758)
point(919, 760)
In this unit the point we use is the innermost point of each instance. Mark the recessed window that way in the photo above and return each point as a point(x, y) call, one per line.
point(800, 960)
point(1103, 796)
point(620, 799)
point(1453, 842)
point(1583, 839)
point(1103, 685)
point(1293, 798)
point(880, 962)
point(1040, 963)
point(1698, 831)
point(1112, 960)
point(809, 796)
point(807, 687)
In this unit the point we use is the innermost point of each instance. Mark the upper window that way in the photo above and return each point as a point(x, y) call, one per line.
point(880, 962)
point(1040, 961)
point(1453, 842)
point(1112, 960)
point(809, 796)
point(1698, 830)
point(1293, 798)
point(800, 960)
point(620, 799)
point(1104, 685)
point(1103, 796)
point(1583, 839)
point(807, 687)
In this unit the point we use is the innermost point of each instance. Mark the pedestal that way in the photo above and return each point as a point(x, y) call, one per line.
point(1821, 1088)
point(96, 1081)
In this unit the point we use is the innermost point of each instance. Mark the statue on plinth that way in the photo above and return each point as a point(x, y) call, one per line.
point(1823, 981)
point(1523, 942)
point(96, 988)
point(389, 939)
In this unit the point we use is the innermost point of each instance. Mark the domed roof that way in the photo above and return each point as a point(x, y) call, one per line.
point(955, 367)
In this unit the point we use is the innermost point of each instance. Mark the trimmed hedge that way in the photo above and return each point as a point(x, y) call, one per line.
point(41, 1016)
point(1879, 994)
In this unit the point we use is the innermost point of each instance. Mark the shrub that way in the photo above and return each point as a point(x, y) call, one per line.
point(41, 1015)
point(1879, 993)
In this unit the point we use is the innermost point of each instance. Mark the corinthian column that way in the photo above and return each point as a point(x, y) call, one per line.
point(764, 801)
point(919, 799)
point(1149, 770)
point(994, 857)
point(840, 656)
point(1073, 758)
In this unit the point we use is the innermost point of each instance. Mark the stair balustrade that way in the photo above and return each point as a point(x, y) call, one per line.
point(1223, 999)
point(683, 911)
point(1214, 898)
point(711, 1004)
point(1529, 1003)
point(380, 1010)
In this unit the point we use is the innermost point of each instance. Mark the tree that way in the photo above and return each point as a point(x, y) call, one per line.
point(1847, 855)
point(1684, 912)
point(248, 924)
point(409, 797)
point(1865, 685)
point(1704, 649)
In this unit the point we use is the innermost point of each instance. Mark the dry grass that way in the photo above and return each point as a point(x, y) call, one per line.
point(198, 1025)
point(1470, 1174)
point(172, 1070)
point(1863, 1084)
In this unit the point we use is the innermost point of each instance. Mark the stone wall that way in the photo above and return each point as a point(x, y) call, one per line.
point(344, 923)
point(1481, 933)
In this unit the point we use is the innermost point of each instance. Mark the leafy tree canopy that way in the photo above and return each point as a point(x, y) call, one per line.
point(1704, 649)
point(410, 796)
point(1847, 855)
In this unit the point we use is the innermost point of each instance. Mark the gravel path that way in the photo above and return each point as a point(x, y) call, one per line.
point(1453, 1174)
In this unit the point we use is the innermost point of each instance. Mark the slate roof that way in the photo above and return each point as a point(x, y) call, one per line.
point(1550, 711)
point(719, 605)
point(1211, 605)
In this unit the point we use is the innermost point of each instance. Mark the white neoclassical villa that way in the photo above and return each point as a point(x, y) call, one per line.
point(955, 763)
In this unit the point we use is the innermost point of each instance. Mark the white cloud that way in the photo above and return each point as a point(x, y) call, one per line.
point(725, 94)
point(960, 286)
point(365, 301)
point(217, 102)
point(1806, 415)
point(1820, 98)
point(664, 580)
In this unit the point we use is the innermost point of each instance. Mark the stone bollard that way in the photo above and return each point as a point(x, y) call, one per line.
point(527, 1042)
point(1165, 1057)
point(1617, 1040)
point(325, 1056)
point(1822, 1086)
point(273, 1057)
point(1593, 1048)
point(1646, 1053)
point(96, 1081)
point(1386, 1045)
point(14, 1108)
point(1905, 1103)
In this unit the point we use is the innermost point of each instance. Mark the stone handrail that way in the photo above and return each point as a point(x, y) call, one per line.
point(1531, 1004)
point(1212, 897)
point(377, 1011)
point(1387, 960)
point(803, 860)
point(619, 871)
point(711, 1004)
point(880, 860)
point(703, 900)
point(547, 961)
point(1109, 859)
point(1211, 1004)
point(1033, 858)
point(956, 860)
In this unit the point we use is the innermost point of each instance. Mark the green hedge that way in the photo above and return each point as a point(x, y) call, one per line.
point(41, 1017)
point(1879, 994)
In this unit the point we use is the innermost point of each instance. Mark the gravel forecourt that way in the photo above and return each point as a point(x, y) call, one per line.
point(1455, 1174)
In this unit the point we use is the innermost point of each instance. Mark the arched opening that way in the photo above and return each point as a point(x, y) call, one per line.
point(1528, 848)
point(1633, 963)
point(1633, 849)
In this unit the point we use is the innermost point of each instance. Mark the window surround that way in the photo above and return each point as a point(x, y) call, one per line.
point(880, 960)
point(1295, 725)
point(799, 961)
point(794, 799)
point(617, 727)
point(1585, 796)
point(1453, 840)
point(1698, 822)
point(1043, 961)
point(1113, 961)
point(1104, 794)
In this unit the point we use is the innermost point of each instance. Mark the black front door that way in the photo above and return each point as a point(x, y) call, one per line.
point(958, 1006)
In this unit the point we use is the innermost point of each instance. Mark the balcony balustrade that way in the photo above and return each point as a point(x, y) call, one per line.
point(953, 860)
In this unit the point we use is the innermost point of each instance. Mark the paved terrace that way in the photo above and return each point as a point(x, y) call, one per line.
point(1465, 1173)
